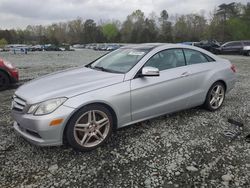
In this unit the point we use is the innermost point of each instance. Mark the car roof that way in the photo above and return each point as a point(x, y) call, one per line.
point(150, 46)
point(160, 46)
point(237, 41)
point(143, 46)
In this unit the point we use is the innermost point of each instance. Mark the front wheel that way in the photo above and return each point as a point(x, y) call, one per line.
point(89, 127)
point(215, 96)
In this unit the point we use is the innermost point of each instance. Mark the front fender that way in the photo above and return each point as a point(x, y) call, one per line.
point(116, 97)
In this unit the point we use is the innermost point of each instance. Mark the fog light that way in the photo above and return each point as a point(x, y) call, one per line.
point(56, 122)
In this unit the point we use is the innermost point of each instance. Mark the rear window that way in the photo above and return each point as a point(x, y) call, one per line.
point(233, 44)
point(194, 57)
point(209, 58)
point(247, 43)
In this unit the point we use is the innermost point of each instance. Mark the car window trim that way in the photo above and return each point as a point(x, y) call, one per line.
point(184, 56)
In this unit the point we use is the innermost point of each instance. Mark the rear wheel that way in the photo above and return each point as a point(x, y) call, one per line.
point(248, 53)
point(215, 96)
point(4, 81)
point(89, 128)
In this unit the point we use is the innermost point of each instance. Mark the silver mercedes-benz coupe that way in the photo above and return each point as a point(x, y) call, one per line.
point(82, 106)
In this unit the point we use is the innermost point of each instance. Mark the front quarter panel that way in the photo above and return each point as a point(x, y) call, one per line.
point(116, 96)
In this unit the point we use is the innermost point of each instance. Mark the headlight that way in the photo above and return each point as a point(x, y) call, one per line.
point(8, 64)
point(46, 107)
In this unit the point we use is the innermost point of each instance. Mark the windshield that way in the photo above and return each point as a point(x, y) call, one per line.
point(119, 61)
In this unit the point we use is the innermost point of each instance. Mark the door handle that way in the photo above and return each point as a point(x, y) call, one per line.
point(184, 74)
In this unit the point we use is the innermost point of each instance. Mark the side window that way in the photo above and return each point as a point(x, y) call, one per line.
point(194, 57)
point(167, 59)
point(235, 44)
point(209, 58)
point(247, 43)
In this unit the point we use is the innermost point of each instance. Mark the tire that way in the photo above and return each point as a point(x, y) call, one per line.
point(215, 96)
point(248, 53)
point(4, 80)
point(215, 51)
point(212, 50)
point(89, 128)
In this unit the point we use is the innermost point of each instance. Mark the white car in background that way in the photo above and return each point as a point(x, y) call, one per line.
point(246, 50)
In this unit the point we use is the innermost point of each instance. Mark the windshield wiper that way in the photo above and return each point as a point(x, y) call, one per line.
point(105, 70)
point(100, 68)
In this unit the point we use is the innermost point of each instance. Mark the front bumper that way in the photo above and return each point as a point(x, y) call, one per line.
point(37, 129)
point(14, 76)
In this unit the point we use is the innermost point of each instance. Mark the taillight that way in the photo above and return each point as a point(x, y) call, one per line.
point(233, 68)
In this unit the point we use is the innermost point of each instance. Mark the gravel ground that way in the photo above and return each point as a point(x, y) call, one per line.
point(184, 149)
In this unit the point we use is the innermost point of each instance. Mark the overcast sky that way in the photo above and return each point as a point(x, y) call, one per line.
point(20, 13)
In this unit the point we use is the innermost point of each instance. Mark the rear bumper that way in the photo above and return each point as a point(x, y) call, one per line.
point(37, 129)
point(231, 83)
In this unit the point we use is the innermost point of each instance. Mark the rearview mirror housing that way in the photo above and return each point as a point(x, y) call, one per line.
point(150, 71)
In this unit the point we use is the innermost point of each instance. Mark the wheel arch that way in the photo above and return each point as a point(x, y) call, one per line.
point(6, 72)
point(211, 84)
point(221, 81)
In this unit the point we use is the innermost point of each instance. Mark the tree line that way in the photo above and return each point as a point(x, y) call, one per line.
point(228, 22)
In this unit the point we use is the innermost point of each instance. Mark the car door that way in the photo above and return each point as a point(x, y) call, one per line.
point(237, 47)
point(226, 48)
point(232, 47)
point(151, 96)
point(198, 67)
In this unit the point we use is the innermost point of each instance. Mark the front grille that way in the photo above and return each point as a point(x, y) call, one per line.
point(18, 103)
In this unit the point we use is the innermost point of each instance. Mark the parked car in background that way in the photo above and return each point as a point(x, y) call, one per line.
point(102, 47)
point(91, 46)
point(106, 47)
point(112, 47)
point(233, 47)
point(78, 46)
point(51, 47)
point(84, 105)
point(246, 50)
point(37, 48)
point(209, 45)
point(8, 74)
point(18, 48)
point(189, 43)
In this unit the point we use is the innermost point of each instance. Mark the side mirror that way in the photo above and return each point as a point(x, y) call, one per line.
point(150, 71)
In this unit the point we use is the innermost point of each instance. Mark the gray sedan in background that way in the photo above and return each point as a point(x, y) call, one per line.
point(81, 106)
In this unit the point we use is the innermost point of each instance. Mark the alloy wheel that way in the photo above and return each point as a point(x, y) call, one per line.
point(217, 96)
point(91, 128)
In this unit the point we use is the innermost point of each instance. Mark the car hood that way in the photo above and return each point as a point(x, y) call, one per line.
point(66, 83)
